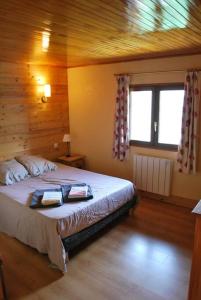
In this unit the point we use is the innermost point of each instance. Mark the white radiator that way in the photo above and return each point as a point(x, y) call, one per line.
point(152, 174)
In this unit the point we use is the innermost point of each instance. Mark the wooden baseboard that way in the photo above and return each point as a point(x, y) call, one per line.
point(179, 201)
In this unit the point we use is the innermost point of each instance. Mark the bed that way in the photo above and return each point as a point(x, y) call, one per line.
point(56, 231)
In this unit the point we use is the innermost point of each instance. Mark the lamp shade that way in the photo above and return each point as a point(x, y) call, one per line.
point(47, 90)
point(66, 138)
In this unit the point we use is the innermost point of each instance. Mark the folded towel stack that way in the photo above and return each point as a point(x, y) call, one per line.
point(78, 191)
point(50, 198)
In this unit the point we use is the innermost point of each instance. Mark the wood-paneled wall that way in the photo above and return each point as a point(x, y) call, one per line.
point(26, 124)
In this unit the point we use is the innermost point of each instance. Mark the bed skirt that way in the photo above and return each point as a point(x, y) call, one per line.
point(76, 239)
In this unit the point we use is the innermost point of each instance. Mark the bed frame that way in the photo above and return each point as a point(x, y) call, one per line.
point(73, 241)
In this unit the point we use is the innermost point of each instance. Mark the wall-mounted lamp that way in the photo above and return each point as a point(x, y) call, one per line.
point(47, 92)
point(45, 40)
point(67, 139)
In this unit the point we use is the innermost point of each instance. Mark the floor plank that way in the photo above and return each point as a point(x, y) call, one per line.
point(143, 257)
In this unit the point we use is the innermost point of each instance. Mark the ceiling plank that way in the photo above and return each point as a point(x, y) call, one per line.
point(84, 32)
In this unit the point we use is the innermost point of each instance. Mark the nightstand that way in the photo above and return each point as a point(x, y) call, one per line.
point(75, 160)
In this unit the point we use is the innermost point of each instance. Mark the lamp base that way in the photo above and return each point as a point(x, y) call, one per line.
point(68, 150)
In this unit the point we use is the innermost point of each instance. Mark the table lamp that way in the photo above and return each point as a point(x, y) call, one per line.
point(67, 139)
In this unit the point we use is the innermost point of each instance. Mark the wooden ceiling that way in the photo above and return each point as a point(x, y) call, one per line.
point(81, 32)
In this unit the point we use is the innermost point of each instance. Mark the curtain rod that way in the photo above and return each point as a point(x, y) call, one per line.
point(136, 73)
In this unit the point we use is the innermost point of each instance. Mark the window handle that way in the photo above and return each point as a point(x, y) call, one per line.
point(155, 126)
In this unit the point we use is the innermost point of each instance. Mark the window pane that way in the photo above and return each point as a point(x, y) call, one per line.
point(170, 116)
point(140, 117)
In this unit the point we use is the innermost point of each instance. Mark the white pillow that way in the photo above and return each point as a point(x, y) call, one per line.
point(12, 171)
point(36, 165)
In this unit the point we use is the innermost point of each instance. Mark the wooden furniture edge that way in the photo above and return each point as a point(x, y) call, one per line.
point(71, 158)
point(194, 292)
point(3, 285)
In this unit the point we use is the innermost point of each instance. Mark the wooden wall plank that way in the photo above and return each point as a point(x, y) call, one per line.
point(26, 124)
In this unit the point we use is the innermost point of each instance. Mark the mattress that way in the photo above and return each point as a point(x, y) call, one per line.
point(44, 229)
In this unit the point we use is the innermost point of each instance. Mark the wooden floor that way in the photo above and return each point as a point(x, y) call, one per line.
point(146, 256)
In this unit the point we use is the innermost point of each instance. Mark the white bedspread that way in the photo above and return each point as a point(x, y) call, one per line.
point(43, 229)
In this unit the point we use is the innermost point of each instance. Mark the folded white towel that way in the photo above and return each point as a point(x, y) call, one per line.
point(51, 198)
point(78, 191)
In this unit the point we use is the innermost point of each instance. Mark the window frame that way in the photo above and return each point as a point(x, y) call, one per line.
point(155, 88)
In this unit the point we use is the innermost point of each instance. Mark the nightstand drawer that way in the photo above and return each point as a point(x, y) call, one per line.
point(77, 164)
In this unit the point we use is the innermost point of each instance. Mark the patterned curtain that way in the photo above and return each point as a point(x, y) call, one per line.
point(187, 152)
point(121, 139)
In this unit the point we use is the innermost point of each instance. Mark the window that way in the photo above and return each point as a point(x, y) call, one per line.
point(156, 115)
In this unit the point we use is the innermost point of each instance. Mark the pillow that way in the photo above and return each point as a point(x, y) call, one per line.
point(36, 165)
point(12, 171)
